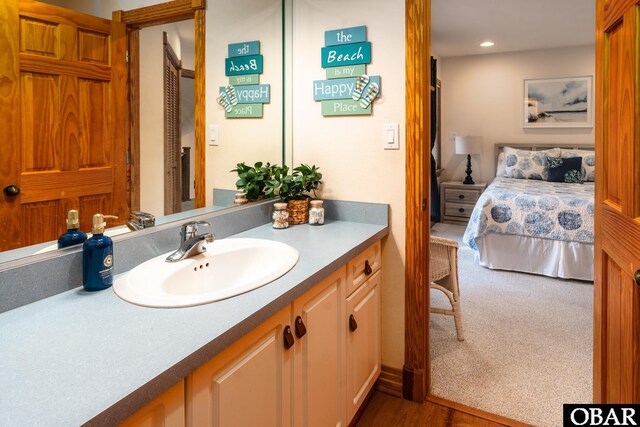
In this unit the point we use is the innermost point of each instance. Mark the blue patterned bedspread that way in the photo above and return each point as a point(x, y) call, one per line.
point(550, 210)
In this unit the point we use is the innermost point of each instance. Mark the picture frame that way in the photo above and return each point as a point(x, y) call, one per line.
point(564, 102)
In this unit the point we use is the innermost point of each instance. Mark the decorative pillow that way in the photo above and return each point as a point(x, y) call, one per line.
point(525, 164)
point(567, 169)
point(588, 162)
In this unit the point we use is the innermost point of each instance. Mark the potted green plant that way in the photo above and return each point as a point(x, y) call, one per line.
point(295, 189)
point(252, 179)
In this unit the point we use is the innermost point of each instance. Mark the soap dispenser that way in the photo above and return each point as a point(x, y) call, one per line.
point(72, 236)
point(97, 257)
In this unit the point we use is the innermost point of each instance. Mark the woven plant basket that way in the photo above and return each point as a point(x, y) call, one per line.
point(298, 211)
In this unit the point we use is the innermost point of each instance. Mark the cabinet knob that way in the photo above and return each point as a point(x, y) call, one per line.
point(636, 276)
point(288, 338)
point(461, 196)
point(367, 268)
point(461, 210)
point(353, 325)
point(11, 190)
point(301, 330)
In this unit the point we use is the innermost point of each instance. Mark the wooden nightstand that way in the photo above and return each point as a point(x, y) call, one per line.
point(457, 200)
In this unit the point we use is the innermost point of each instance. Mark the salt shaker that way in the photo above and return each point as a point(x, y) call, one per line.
point(316, 213)
point(280, 216)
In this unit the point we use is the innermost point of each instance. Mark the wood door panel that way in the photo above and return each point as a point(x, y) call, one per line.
point(37, 187)
point(40, 95)
point(60, 15)
point(613, 10)
point(90, 205)
point(43, 220)
point(619, 136)
point(39, 37)
point(93, 47)
point(48, 65)
point(94, 103)
point(69, 123)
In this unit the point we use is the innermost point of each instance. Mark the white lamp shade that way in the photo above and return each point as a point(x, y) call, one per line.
point(468, 144)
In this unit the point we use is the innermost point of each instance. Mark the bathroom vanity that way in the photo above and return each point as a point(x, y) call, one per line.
point(302, 349)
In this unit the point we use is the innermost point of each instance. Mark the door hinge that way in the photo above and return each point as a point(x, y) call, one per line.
point(126, 56)
point(128, 158)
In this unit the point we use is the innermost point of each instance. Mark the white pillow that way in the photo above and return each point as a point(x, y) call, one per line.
point(500, 170)
point(588, 162)
point(526, 164)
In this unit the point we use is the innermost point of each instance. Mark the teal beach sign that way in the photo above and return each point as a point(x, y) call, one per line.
point(244, 49)
point(346, 54)
point(240, 65)
point(345, 36)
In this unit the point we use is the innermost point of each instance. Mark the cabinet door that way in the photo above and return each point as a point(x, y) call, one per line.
point(363, 342)
point(167, 410)
point(320, 392)
point(248, 384)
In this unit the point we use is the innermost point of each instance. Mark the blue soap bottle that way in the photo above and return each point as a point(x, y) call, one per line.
point(72, 236)
point(97, 257)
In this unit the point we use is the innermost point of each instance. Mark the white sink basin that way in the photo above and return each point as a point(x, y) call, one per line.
point(228, 268)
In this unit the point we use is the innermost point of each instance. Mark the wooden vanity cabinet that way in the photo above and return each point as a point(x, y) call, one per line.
point(308, 365)
point(166, 410)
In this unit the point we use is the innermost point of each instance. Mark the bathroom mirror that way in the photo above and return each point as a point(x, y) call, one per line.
point(238, 139)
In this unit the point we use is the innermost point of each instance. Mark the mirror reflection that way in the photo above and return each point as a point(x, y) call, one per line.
point(159, 178)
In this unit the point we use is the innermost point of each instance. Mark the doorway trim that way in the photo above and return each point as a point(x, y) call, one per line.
point(135, 20)
point(416, 370)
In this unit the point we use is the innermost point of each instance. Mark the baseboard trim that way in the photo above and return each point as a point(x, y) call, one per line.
point(390, 381)
point(476, 412)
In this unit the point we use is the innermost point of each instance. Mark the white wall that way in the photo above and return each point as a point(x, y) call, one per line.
point(482, 95)
point(349, 149)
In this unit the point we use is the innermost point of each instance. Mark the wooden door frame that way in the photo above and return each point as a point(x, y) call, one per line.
point(135, 20)
point(416, 374)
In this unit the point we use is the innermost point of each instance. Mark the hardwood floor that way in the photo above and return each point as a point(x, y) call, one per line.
point(386, 410)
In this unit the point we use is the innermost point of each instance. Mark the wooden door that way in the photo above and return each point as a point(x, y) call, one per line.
point(172, 146)
point(363, 343)
point(248, 384)
point(319, 391)
point(63, 85)
point(617, 274)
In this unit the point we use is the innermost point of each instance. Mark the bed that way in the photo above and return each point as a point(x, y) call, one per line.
point(535, 226)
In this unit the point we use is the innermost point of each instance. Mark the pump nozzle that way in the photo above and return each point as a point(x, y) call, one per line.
point(99, 223)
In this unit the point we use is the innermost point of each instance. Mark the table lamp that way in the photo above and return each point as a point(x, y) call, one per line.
point(468, 145)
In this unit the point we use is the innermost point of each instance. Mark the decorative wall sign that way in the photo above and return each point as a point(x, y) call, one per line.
point(346, 54)
point(345, 36)
point(240, 65)
point(244, 96)
point(252, 94)
point(348, 90)
point(346, 71)
point(339, 88)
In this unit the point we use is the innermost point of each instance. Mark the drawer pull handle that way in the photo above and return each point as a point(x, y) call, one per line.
point(353, 325)
point(288, 338)
point(367, 268)
point(301, 330)
point(461, 210)
point(461, 196)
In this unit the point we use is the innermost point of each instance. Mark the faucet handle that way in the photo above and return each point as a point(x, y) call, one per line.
point(190, 229)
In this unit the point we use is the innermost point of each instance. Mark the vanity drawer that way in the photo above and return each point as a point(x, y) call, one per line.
point(458, 209)
point(461, 195)
point(356, 268)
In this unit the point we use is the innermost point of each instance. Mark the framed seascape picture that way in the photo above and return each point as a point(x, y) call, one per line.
point(558, 103)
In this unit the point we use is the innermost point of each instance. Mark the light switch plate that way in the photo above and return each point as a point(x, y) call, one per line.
point(390, 136)
point(214, 135)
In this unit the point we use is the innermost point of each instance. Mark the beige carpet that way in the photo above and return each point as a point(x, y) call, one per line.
point(528, 342)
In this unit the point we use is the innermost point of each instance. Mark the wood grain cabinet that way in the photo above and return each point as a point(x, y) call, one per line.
point(457, 200)
point(167, 410)
point(311, 364)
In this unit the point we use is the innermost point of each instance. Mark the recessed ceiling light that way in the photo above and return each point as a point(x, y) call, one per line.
point(487, 44)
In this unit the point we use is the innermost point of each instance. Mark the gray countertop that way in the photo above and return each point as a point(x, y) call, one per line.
point(91, 358)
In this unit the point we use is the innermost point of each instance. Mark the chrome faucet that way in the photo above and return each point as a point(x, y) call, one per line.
point(140, 220)
point(191, 243)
